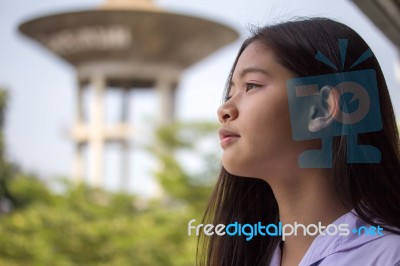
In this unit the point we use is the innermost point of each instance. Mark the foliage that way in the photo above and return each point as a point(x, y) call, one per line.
point(88, 226)
point(178, 183)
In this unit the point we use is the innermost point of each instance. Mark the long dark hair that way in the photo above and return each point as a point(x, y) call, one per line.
point(372, 190)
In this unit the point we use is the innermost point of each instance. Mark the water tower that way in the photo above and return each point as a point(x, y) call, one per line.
point(124, 45)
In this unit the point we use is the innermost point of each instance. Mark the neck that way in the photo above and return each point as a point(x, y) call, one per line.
point(306, 197)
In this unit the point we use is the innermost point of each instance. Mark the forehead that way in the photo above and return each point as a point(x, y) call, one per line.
point(255, 54)
point(259, 56)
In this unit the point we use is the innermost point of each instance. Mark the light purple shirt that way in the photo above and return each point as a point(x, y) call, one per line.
point(352, 249)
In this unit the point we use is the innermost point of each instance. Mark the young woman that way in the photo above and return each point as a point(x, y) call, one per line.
point(265, 177)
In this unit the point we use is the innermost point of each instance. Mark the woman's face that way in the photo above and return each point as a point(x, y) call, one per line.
point(256, 134)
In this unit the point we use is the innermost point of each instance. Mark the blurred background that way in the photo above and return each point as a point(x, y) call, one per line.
point(108, 142)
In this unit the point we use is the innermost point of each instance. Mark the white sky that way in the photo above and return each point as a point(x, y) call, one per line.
point(42, 86)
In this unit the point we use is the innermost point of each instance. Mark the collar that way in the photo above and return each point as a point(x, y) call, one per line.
point(326, 245)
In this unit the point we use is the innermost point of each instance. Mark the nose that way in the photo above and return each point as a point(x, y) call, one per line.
point(227, 112)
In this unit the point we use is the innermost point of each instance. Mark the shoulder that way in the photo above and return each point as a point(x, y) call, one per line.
point(384, 250)
point(387, 246)
point(355, 247)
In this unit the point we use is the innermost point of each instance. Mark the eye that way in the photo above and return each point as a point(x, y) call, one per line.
point(250, 86)
point(227, 98)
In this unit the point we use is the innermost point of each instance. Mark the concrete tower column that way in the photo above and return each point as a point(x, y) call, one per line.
point(96, 136)
point(125, 147)
point(78, 160)
point(165, 86)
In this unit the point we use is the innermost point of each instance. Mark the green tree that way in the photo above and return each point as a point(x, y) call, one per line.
point(180, 184)
point(88, 226)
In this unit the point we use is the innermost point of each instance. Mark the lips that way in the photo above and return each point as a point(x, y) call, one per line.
point(227, 136)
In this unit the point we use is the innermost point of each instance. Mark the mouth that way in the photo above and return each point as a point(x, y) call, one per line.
point(227, 137)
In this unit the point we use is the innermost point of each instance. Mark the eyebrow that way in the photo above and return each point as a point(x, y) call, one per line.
point(253, 70)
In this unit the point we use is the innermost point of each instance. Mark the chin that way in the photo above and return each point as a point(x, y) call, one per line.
point(236, 169)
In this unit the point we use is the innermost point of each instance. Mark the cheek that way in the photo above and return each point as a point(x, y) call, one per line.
point(272, 138)
point(273, 124)
point(278, 117)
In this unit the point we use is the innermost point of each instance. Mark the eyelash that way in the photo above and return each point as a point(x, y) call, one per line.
point(252, 85)
point(249, 86)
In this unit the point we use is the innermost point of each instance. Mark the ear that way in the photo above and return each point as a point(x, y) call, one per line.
point(323, 111)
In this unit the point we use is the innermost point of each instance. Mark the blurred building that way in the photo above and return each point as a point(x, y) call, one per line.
point(385, 14)
point(123, 45)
